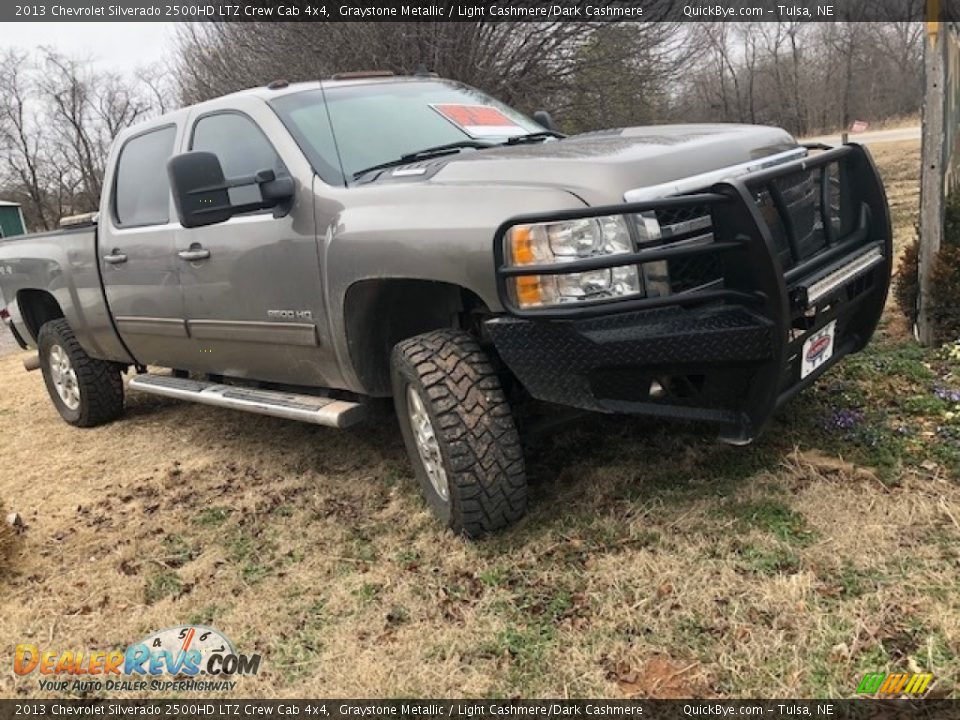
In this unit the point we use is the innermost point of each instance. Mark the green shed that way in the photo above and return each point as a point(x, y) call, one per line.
point(11, 219)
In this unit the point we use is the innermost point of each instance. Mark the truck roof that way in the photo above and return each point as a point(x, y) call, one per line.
point(271, 91)
point(268, 92)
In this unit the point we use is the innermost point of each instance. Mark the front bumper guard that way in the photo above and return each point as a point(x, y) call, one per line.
point(729, 354)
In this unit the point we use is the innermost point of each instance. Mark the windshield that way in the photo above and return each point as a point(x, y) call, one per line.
point(378, 123)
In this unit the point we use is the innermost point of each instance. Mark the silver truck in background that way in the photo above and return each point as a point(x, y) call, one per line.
point(297, 250)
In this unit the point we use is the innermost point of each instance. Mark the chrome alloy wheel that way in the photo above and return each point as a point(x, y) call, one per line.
point(427, 445)
point(64, 377)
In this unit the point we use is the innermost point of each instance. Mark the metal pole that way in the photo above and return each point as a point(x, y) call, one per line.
point(931, 169)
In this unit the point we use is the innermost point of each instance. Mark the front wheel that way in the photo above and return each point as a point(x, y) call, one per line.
point(86, 391)
point(459, 432)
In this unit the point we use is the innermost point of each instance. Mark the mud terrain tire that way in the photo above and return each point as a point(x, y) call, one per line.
point(86, 392)
point(454, 416)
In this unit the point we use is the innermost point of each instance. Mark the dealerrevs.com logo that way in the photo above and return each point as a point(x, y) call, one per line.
point(182, 658)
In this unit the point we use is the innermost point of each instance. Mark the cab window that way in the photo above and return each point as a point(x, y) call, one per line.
point(242, 148)
point(141, 188)
point(240, 144)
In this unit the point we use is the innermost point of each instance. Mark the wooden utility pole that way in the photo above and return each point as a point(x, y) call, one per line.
point(931, 169)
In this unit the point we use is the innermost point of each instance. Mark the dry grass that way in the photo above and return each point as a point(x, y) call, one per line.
point(654, 561)
point(7, 540)
point(900, 166)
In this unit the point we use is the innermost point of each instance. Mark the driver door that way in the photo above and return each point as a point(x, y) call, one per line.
point(251, 285)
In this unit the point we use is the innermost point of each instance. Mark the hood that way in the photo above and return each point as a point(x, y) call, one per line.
point(601, 166)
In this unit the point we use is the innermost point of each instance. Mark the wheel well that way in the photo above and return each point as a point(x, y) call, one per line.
point(381, 313)
point(36, 308)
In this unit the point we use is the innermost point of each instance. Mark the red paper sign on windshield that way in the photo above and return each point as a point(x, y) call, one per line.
point(480, 120)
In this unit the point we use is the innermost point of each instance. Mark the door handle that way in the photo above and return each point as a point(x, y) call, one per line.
point(196, 252)
point(115, 258)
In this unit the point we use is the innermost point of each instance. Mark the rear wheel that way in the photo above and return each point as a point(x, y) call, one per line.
point(85, 391)
point(459, 432)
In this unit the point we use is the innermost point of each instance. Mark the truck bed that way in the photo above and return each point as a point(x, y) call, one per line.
point(61, 266)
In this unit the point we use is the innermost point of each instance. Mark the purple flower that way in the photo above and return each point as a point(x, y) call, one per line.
point(947, 394)
point(842, 419)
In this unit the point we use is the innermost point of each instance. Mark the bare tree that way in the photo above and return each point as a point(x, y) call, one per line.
point(87, 112)
point(23, 140)
point(528, 65)
point(803, 76)
point(58, 118)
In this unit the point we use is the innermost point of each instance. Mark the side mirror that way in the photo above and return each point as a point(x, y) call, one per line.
point(544, 118)
point(202, 194)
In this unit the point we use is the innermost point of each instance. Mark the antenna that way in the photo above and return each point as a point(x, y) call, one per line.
point(333, 133)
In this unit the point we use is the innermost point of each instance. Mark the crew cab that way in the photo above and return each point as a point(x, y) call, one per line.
point(302, 250)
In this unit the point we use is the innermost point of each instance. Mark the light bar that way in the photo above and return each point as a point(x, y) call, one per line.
point(859, 265)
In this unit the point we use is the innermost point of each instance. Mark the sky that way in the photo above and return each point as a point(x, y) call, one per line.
point(120, 47)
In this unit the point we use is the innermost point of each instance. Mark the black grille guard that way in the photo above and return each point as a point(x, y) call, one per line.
point(794, 297)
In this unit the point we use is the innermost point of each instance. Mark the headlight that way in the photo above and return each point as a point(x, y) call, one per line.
point(566, 241)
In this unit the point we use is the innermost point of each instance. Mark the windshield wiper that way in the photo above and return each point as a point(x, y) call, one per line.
point(425, 153)
point(533, 137)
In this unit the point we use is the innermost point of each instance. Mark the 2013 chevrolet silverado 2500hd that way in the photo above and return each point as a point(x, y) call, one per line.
point(297, 250)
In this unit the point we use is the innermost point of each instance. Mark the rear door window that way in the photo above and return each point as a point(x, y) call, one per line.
point(141, 188)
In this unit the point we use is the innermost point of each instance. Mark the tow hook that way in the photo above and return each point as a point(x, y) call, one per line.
point(31, 363)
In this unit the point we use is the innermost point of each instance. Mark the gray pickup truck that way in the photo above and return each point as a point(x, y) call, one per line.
point(301, 250)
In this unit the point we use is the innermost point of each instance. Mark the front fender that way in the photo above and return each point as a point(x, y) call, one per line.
point(424, 231)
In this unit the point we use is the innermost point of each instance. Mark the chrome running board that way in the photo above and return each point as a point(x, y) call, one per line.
point(291, 406)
